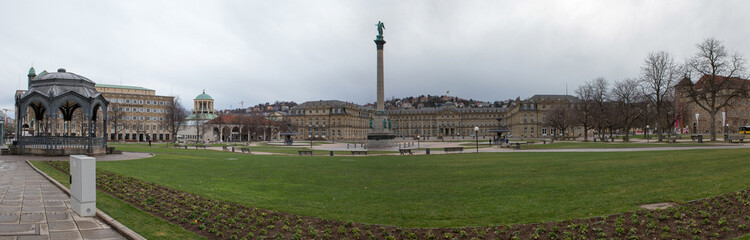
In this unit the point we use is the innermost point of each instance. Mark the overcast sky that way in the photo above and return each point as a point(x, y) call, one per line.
point(263, 51)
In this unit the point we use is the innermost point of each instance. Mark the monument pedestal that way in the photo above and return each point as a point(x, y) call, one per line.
point(381, 136)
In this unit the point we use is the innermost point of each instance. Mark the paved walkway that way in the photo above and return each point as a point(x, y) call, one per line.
point(31, 207)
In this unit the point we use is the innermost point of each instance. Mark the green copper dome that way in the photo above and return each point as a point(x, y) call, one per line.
point(32, 72)
point(203, 96)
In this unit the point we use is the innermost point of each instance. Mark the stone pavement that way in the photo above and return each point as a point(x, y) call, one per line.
point(31, 207)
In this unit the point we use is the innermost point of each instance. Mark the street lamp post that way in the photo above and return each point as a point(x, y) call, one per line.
point(418, 138)
point(647, 139)
point(726, 132)
point(476, 136)
point(311, 139)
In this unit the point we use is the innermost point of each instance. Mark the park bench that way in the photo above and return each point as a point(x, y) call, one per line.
point(736, 138)
point(453, 149)
point(200, 146)
point(176, 145)
point(672, 140)
point(405, 151)
point(694, 137)
point(359, 152)
point(302, 153)
point(225, 148)
point(245, 150)
point(517, 145)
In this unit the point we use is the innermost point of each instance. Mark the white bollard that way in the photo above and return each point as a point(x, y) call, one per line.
point(83, 185)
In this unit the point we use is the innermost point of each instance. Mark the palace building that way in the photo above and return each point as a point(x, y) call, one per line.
point(446, 121)
point(530, 117)
point(330, 119)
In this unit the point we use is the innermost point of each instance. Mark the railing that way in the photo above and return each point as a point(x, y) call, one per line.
point(45, 142)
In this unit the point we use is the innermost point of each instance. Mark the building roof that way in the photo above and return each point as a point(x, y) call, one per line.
point(122, 87)
point(551, 97)
point(426, 110)
point(60, 82)
point(201, 116)
point(203, 96)
point(734, 82)
point(32, 72)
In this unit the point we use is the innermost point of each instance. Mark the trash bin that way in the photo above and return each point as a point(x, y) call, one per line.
point(700, 138)
point(232, 149)
point(427, 151)
point(331, 153)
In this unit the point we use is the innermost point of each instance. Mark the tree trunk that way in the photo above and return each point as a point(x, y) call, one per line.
point(712, 128)
point(585, 133)
point(659, 131)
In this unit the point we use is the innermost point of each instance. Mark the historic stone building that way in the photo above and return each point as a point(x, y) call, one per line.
point(203, 111)
point(694, 119)
point(446, 121)
point(530, 117)
point(330, 119)
point(140, 113)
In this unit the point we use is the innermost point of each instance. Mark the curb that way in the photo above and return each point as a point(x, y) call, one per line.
point(122, 229)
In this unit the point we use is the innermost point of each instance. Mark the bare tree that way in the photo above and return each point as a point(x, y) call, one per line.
point(628, 101)
point(585, 107)
point(658, 76)
point(174, 117)
point(720, 79)
point(561, 118)
point(599, 97)
point(116, 116)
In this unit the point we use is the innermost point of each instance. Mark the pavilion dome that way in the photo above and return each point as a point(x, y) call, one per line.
point(56, 83)
point(203, 96)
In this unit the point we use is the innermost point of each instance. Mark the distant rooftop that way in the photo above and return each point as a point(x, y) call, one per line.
point(122, 86)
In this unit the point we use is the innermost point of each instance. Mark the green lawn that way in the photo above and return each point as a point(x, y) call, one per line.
point(569, 145)
point(143, 223)
point(161, 148)
point(449, 190)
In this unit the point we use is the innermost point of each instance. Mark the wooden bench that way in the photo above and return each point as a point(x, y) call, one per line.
point(454, 149)
point(405, 151)
point(736, 138)
point(225, 148)
point(302, 153)
point(359, 152)
point(516, 145)
point(672, 140)
point(200, 146)
point(245, 150)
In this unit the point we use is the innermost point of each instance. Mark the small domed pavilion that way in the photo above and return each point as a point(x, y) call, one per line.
point(54, 96)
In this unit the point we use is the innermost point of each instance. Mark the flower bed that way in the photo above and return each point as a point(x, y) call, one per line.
point(721, 217)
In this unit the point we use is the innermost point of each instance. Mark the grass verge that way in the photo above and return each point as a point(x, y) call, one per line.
point(449, 190)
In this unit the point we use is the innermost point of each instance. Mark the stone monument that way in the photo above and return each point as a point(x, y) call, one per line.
point(380, 135)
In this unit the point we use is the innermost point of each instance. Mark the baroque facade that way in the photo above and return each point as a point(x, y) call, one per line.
point(329, 120)
point(530, 117)
point(446, 121)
